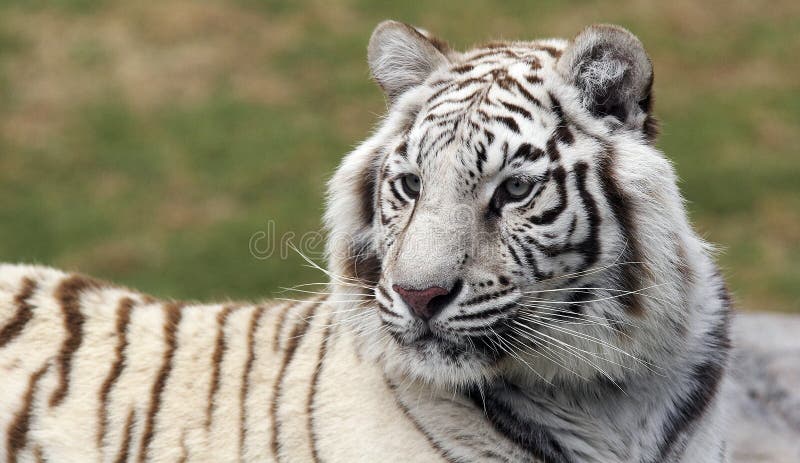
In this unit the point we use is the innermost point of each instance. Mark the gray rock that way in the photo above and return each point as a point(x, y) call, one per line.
point(764, 391)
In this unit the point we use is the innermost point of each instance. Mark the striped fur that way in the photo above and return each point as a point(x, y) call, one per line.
point(160, 381)
point(584, 319)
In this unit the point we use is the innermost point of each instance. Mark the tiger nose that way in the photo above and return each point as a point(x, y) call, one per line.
point(426, 303)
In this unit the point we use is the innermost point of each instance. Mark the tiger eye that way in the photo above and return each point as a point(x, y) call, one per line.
point(412, 185)
point(517, 188)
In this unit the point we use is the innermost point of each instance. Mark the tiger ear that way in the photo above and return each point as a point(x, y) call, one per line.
point(610, 67)
point(401, 57)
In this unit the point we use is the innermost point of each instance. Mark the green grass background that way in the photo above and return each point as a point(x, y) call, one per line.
point(146, 142)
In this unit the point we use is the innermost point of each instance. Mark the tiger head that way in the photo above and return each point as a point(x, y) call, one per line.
point(511, 216)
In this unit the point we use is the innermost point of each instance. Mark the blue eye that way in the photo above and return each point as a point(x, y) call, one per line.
point(412, 185)
point(517, 188)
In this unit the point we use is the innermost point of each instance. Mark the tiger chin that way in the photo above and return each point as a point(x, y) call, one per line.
point(513, 278)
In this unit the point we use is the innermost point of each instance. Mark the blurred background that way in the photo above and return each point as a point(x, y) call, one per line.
point(147, 142)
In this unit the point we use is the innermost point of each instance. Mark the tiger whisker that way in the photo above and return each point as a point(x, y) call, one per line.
point(575, 352)
point(559, 363)
point(511, 352)
point(639, 292)
point(560, 312)
point(326, 301)
point(543, 318)
point(338, 278)
point(615, 296)
point(593, 354)
point(587, 289)
point(585, 337)
point(593, 339)
point(588, 272)
point(355, 284)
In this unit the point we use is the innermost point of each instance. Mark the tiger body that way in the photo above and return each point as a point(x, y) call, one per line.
point(92, 372)
point(513, 278)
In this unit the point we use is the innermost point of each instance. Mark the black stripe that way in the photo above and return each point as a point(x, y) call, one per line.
point(528, 96)
point(508, 122)
point(445, 117)
point(706, 378)
point(531, 436)
point(517, 109)
point(563, 133)
point(23, 314)
point(17, 433)
point(489, 136)
point(486, 297)
point(455, 86)
point(396, 194)
point(631, 276)
point(453, 100)
point(384, 293)
point(312, 395)
point(173, 318)
point(590, 246)
point(68, 295)
point(514, 255)
point(484, 54)
point(550, 50)
point(485, 335)
point(530, 260)
point(248, 367)
point(428, 436)
point(276, 341)
point(386, 310)
point(533, 79)
point(484, 313)
point(123, 318)
point(402, 149)
point(527, 152)
point(125, 448)
point(292, 343)
point(216, 360)
point(550, 215)
point(481, 151)
point(366, 192)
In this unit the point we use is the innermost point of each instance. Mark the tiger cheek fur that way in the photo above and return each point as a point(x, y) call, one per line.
point(513, 278)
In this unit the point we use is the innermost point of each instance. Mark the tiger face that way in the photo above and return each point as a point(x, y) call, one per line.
point(491, 217)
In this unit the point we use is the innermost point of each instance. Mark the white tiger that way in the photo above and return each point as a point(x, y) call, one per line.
point(513, 278)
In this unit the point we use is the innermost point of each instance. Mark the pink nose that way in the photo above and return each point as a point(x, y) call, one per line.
point(421, 301)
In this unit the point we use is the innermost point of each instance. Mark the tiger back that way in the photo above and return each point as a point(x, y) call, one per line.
point(94, 372)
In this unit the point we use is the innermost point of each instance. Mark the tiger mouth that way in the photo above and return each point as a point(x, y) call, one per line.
point(452, 342)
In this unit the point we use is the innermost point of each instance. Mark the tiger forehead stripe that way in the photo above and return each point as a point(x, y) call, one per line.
point(448, 110)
